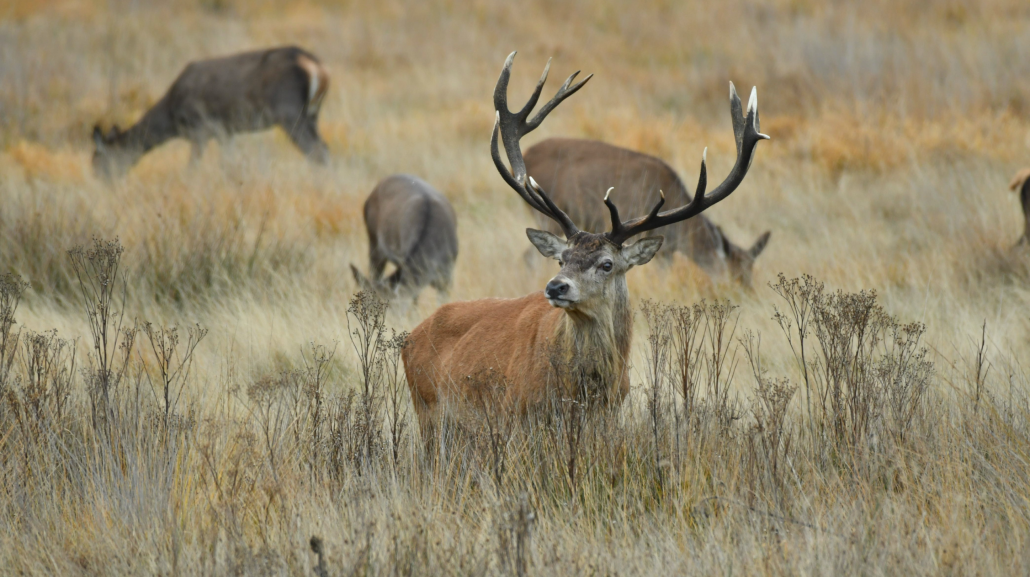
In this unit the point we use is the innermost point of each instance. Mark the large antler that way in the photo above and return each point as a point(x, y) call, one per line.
point(512, 126)
point(747, 134)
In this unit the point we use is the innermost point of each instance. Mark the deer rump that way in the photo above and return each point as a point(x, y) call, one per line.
point(413, 226)
point(576, 173)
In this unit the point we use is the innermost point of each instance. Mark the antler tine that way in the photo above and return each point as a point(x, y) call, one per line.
point(745, 131)
point(613, 211)
point(737, 116)
point(567, 226)
point(564, 92)
point(512, 126)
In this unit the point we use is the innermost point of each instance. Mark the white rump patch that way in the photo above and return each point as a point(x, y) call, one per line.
point(315, 87)
point(312, 88)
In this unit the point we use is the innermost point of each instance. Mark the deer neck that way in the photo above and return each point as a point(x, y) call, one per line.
point(153, 129)
point(594, 344)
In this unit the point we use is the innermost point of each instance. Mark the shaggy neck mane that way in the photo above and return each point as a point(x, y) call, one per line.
point(594, 347)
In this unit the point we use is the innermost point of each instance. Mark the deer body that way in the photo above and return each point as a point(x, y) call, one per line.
point(411, 225)
point(220, 97)
point(572, 340)
point(1021, 185)
point(575, 173)
point(463, 345)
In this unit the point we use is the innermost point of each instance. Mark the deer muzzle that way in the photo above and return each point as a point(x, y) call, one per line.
point(560, 292)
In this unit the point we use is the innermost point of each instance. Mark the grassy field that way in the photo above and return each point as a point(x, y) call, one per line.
point(895, 128)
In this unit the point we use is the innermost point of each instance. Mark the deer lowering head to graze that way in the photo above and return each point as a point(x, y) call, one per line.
point(582, 320)
point(572, 170)
point(1021, 185)
point(411, 225)
point(220, 97)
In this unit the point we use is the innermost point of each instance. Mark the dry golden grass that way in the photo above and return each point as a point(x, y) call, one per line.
point(895, 126)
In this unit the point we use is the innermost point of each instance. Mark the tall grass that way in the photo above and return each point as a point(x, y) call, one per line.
point(864, 468)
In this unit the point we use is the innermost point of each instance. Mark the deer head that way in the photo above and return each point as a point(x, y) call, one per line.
point(593, 266)
point(112, 154)
point(740, 262)
point(386, 288)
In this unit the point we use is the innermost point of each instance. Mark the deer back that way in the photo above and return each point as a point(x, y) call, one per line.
point(247, 91)
point(577, 172)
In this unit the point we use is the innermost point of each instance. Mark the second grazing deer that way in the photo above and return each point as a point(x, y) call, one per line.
point(582, 318)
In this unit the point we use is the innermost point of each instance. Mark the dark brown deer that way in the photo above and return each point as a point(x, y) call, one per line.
point(413, 226)
point(575, 173)
point(1021, 185)
point(581, 321)
point(220, 97)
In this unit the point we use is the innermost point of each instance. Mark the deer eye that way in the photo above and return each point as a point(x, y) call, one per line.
point(561, 262)
point(607, 266)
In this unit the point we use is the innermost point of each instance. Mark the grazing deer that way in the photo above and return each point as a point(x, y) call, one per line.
point(582, 318)
point(411, 225)
point(1021, 185)
point(574, 170)
point(217, 98)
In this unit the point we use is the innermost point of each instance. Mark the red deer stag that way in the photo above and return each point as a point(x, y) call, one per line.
point(573, 170)
point(1021, 185)
point(582, 318)
point(217, 98)
point(411, 225)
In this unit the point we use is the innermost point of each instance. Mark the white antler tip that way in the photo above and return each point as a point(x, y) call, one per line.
point(752, 103)
point(610, 189)
point(704, 156)
point(533, 183)
point(661, 192)
point(733, 90)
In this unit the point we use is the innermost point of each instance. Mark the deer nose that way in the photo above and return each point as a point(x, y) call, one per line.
point(556, 289)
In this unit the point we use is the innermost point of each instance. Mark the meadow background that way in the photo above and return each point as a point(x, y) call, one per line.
point(895, 127)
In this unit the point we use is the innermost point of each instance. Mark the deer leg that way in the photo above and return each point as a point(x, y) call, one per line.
point(304, 133)
point(376, 264)
point(196, 150)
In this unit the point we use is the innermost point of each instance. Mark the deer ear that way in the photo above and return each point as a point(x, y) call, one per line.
point(98, 137)
point(642, 251)
point(548, 244)
point(757, 248)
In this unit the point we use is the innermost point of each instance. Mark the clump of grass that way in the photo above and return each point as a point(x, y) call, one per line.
point(869, 374)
